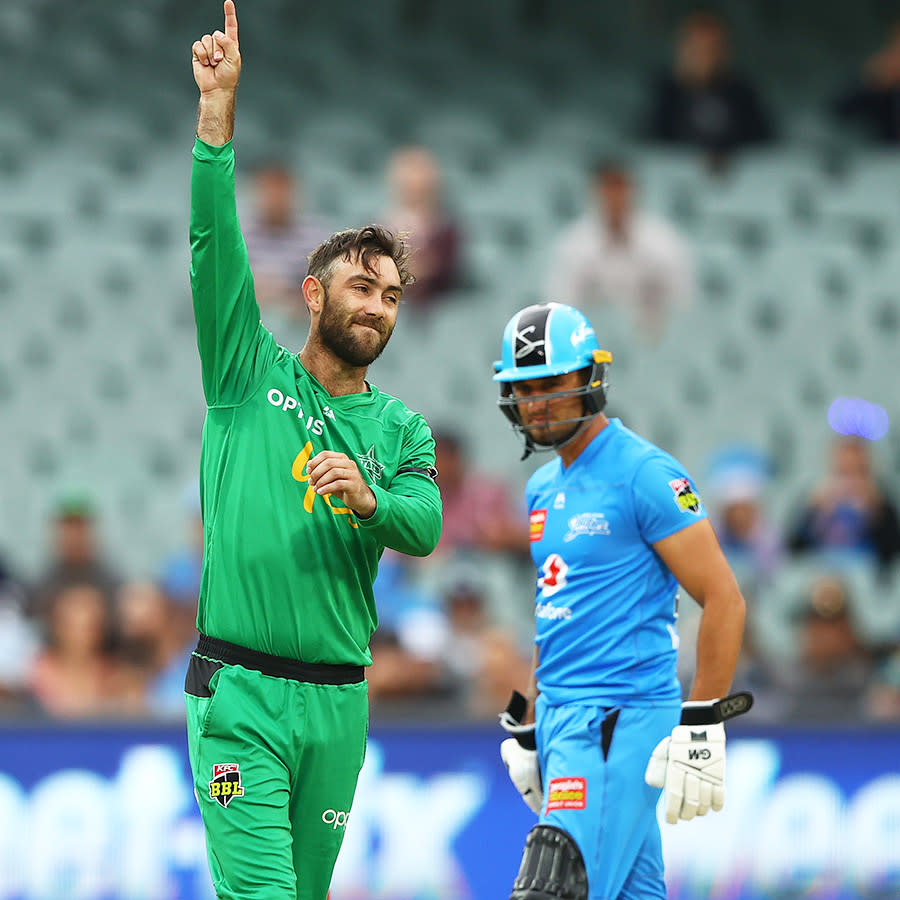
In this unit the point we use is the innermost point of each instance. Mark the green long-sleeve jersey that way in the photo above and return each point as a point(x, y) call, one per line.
point(285, 570)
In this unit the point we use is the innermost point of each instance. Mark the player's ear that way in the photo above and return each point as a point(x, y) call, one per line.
point(313, 293)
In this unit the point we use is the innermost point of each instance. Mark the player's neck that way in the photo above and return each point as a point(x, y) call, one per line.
point(336, 376)
point(572, 451)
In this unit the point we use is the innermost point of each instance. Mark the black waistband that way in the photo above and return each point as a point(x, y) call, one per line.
point(278, 666)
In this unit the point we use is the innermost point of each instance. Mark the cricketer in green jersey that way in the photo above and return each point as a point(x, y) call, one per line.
point(307, 474)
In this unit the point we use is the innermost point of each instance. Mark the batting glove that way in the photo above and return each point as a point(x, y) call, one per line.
point(519, 753)
point(690, 764)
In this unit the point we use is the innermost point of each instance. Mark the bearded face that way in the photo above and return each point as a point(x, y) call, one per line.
point(353, 335)
point(359, 310)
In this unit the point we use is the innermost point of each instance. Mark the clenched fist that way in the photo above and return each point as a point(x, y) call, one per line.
point(336, 474)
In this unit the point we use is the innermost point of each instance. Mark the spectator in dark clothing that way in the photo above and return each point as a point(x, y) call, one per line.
point(874, 102)
point(703, 102)
point(417, 208)
point(849, 512)
point(154, 651)
point(479, 512)
point(75, 557)
point(482, 656)
point(75, 676)
point(831, 677)
point(737, 480)
point(397, 674)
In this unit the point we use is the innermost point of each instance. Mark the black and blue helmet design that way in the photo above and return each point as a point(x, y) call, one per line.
point(545, 340)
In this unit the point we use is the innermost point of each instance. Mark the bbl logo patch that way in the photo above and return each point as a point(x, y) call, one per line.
point(226, 783)
point(686, 498)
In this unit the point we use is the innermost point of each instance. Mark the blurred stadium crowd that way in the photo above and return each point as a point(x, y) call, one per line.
point(717, 190)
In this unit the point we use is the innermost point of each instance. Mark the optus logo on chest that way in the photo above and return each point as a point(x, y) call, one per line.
point(336, 818)
point(289, 404)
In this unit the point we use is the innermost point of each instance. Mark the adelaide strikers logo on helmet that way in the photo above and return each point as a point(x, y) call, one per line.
point(528, 344)
point(226, 783)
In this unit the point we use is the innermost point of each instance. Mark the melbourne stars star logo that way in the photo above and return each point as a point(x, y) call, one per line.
point(370, 464)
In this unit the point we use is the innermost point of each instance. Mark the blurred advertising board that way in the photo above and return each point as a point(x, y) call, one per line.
point(108, 813)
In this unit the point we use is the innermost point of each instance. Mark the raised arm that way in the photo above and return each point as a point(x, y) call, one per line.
point(216, 60)
point(235, 350)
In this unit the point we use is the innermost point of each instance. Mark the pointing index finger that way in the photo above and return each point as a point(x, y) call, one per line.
point(231, 23)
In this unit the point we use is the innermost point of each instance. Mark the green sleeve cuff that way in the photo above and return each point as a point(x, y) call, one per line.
point(382, 502)
point(202, 150)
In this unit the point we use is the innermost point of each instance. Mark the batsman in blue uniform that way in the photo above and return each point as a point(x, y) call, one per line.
point(616, 526)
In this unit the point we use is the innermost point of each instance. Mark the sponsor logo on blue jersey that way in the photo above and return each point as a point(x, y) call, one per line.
point(553, 575)
point(586, 523)
point(554, 613)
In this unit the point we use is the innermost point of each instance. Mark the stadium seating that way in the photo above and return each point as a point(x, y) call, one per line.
point(796, 250)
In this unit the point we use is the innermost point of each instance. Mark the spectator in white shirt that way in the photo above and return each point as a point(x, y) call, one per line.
point(618, 255)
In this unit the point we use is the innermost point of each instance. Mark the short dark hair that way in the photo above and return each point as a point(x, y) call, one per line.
point(449, 438)
point(365, 243)
point(610, 165)
point(705, 19)
point(272, 166)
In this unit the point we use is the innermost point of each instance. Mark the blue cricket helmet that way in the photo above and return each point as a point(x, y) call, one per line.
point(545, 340)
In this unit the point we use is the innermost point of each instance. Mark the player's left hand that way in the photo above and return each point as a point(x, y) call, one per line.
point(519, 753)
point(524, 772)
point(336, 474)
point(690, 764)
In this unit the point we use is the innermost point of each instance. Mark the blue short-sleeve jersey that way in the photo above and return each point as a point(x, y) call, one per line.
point(606, 602)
